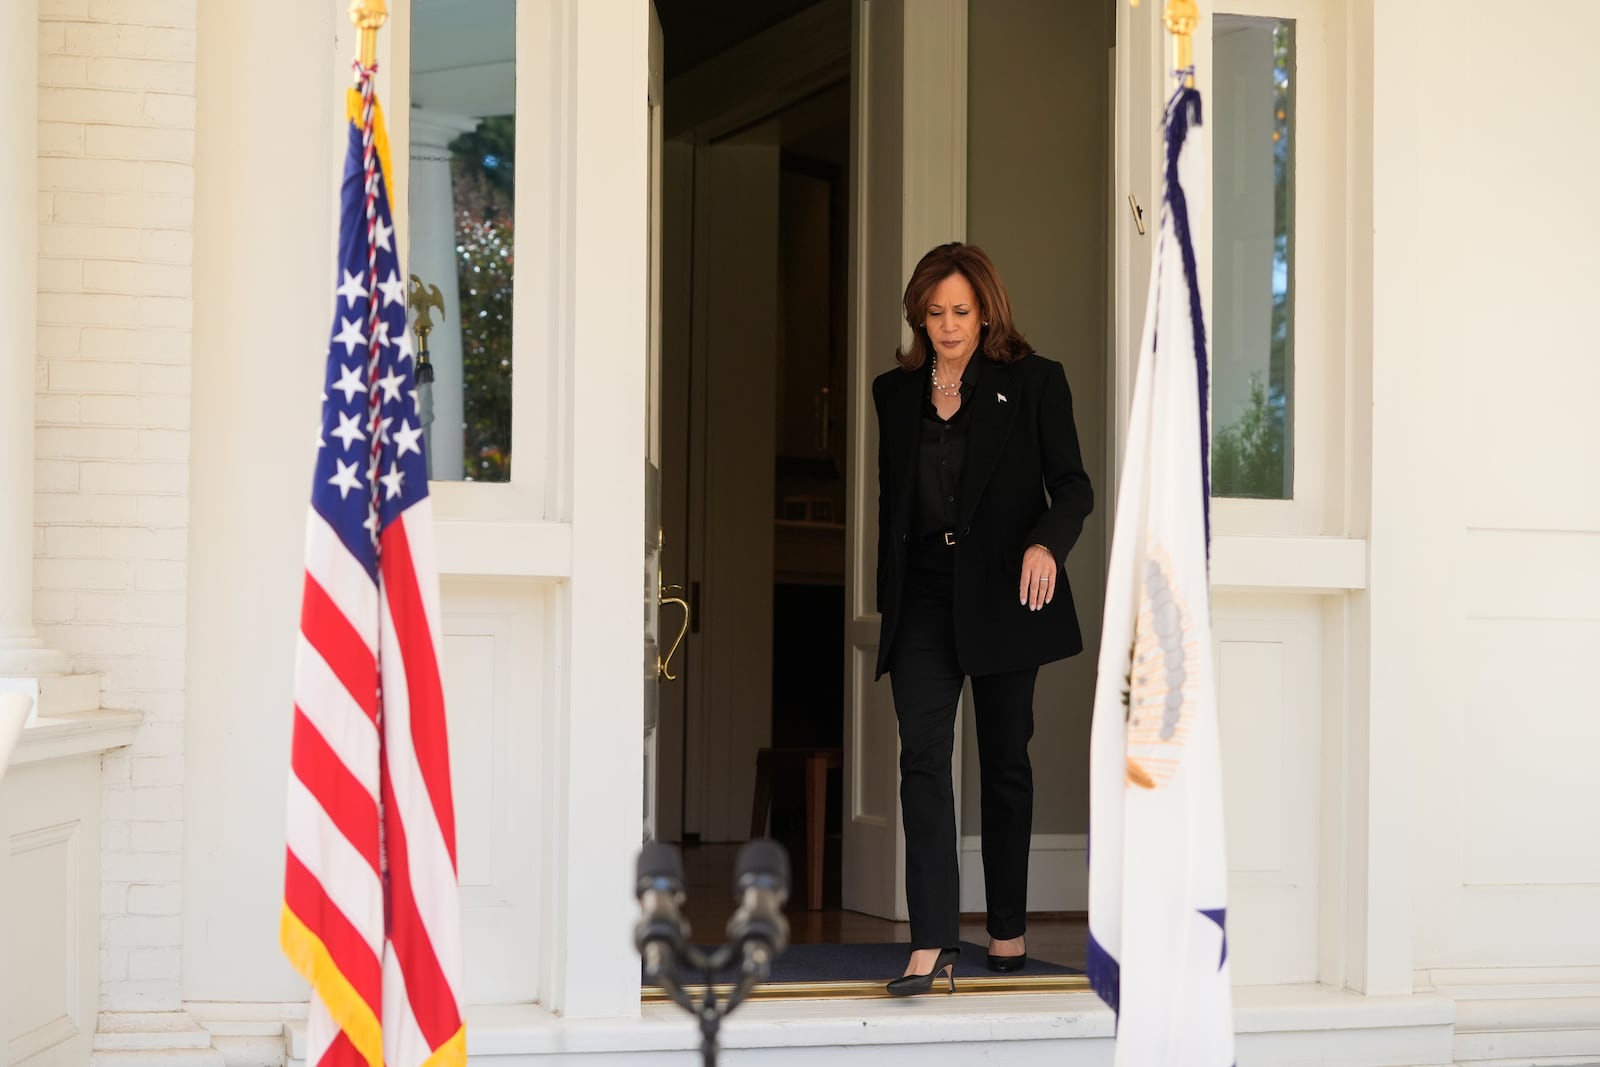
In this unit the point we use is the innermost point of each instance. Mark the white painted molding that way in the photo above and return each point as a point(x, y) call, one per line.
point(1290, 564)
point(487, 548)
point(1058, 873)
point(1521, 1015)
point(77, 734)
point(1508, 981)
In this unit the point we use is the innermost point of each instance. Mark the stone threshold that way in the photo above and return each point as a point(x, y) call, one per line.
point(1273, 1023)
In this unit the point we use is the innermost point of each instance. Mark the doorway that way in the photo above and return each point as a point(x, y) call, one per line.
point(755, 240)
point(769, 439)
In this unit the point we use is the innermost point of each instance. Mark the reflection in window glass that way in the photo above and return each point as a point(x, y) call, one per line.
point(1252, 452)
point(461, 198)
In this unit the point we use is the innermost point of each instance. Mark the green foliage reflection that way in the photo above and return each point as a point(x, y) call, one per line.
point(1251, 456)
point(483, 170)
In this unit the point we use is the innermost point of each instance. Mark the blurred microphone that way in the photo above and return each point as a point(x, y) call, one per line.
point(761, 886)
point(660, 891)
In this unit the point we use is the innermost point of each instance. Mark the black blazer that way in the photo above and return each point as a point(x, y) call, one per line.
point(1021, 443)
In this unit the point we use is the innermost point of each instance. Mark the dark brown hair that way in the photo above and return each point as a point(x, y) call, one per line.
point(999, 339)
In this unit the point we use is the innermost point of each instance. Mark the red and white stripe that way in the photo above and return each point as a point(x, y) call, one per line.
point(422, 964)
point(356, 770)
point(333, 884)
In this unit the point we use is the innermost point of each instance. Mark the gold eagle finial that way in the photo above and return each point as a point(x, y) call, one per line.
point(422, 297)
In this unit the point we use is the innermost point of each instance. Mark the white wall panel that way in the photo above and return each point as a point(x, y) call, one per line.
point(1527, 476)
point(1513, 860)
point(474, 650)
point(1507, 722)
point(1549, 574)
point(495, 699)
point(1269, 685)
point(1486, 533)
point(50, 936)
point(1250, 679)
point(42, 938)
point(1530, 720)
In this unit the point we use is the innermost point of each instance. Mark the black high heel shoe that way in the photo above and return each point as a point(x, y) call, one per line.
point(1007, 964)
point(911, 984)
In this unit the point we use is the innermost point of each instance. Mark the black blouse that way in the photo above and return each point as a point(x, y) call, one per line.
point(942, 452)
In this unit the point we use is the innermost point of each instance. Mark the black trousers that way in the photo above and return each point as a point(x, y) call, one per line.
point(926, 677)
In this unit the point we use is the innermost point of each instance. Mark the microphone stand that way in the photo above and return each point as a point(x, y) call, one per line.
point(665, 947)
point(661, 961)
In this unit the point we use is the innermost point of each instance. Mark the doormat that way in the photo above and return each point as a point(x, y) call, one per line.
point(862, 970)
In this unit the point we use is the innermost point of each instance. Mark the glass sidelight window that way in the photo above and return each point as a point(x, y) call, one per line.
point(462, 194)
point(1253, 116)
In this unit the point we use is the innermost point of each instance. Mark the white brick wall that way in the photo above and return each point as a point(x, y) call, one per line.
point(116, 177)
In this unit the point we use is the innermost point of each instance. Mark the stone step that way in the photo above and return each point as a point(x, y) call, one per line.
point(157, 1057)
point(134, 1031)
point(251, 1050)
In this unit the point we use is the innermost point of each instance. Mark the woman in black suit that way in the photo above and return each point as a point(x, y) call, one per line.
point(982, 494)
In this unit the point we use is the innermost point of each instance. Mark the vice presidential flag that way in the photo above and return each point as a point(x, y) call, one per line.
point(1158, 949)
point(370, 910)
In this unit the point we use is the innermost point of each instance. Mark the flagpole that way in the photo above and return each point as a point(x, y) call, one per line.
point(1182, 18)
point(368, 16)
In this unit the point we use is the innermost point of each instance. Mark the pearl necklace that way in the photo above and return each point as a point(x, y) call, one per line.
point(952, 391)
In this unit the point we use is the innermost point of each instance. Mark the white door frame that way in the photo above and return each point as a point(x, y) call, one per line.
point(1263, 562)
point(908, 192)
point(551, 539)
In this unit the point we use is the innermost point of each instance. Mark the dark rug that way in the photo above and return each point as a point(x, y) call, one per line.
point(874, 962)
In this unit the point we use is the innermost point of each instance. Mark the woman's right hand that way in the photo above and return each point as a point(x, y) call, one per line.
point(1038, 586)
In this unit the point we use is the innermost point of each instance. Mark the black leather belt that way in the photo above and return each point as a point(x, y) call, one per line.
point(941, 537)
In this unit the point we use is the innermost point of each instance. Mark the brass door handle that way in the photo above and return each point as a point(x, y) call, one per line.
point(667, 595)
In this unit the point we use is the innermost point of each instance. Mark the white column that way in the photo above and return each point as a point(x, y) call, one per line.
point(22, 653)
point(433, 260)
point(1408, 517)
point(598, 810)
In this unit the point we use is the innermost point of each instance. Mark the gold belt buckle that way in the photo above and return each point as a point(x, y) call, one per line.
point(949, 537)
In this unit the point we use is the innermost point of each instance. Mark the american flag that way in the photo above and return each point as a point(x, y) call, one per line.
point(371, 913)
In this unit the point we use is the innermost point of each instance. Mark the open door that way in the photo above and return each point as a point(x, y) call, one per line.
point(729, 703)
point(656, 592)
point(1139, 96)
point(907, 194)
